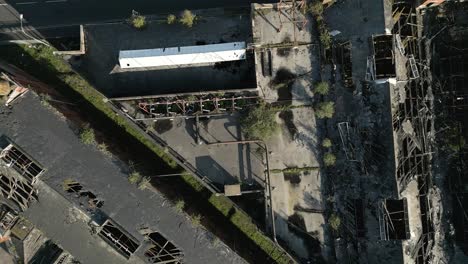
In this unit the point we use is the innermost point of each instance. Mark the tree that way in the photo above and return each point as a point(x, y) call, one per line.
point(325, 110)
point(326, 143)
point(329, 159)
point(322, 88)
point(259, 122)
point(171, 19)
point(187, 19)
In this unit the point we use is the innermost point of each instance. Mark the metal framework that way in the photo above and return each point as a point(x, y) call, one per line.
point(187, 106)
point(18, 174)
point(7, 218)
point(290, 10)
point(15, 158)
point(451, 73)
point(353, 217)
point(17, 190)
point(383, 57)
point(118, 238)
point(162, 250)
point(393, 220)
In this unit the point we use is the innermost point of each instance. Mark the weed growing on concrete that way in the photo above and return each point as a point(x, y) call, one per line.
point(179, 206)
point(138, 21)
point(322, 88)
point(187, 19)
point(87, 136)
point(196, 220)
point(326, 143)
point(134, 177)
point(325, 37)
point(334, 221)
point(325, 110)
point(144, 183)
point(45, 98)
point(171, 19)
point(316, 8)
point(294, 170)
point(329, 159)
point(104, 149)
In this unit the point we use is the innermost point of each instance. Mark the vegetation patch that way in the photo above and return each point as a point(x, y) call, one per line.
point(179, 206)
point(138, 21)
point(326, 143)
point(87, 136)
point(259, 122)
point(322, 88)
point(187, 18)
point(316, 9)
point(325, 110)
point(329, 159)
point(144, 183)
point(335, 222)
point(196, 220)
point(294, 170)
point(171, 19)
point(134, 177)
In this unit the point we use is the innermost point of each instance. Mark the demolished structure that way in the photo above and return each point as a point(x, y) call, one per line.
point(390, 208)
point(81, 199)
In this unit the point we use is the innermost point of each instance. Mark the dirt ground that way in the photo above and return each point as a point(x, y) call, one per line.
point(297, 197)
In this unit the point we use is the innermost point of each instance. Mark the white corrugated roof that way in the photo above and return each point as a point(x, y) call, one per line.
point(174, 56)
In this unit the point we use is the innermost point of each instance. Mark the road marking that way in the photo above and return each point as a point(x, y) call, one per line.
point(26, 3)
point(4, 4)
point(55, 1)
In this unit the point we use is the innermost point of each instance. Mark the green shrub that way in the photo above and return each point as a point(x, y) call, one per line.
point(87, 136)
point(179, 206)
point(335, 222)
point(134, 177)
point(259, 122)
point(325, 110)
point(316, 8)
point(144, 183)
point(329, 159)
point(325, 39)
point(187, 19)
point(138, 22)
point(171, 19)
point(326, 143)
point(104, 149)
point(322, 88)
point(196, 220)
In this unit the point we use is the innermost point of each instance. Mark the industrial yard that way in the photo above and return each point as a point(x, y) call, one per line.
point(295, 131)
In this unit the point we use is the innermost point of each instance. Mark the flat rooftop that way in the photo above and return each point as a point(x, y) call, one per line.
point(100, 64)
point(186, 55)
point(63, 217)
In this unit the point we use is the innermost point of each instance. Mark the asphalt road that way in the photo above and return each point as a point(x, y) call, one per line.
point(54, 18)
